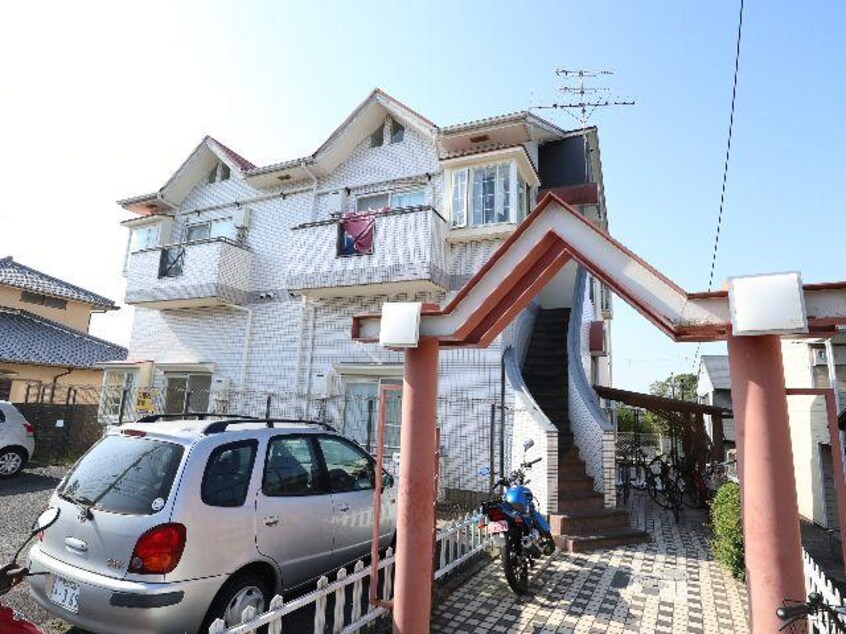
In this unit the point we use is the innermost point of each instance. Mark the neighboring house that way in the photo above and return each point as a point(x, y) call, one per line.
point(807, 364)
point(245, 278)
point(714, 388)
point(44, 336)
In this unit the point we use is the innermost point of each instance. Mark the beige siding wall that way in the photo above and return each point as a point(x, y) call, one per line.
point(38, 373)
point(76, 315)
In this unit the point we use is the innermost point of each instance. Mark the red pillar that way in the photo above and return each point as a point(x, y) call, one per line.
point(416, 510)
point(768, 485)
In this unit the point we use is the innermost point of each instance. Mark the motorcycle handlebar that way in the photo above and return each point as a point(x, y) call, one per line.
point(535, 461)
point(789, 613)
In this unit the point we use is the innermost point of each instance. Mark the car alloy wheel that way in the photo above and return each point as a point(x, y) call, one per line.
point(11, 462)
point(248, 596)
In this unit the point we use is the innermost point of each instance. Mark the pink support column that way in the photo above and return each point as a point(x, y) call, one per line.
point(416, 511)
point(768, 486)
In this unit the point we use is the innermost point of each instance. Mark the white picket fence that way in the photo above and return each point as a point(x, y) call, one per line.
point(458, 542)
point(816, 581)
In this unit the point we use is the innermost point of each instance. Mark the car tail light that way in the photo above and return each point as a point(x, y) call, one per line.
point(495, 514)
point(158, 550)
point(30, 430)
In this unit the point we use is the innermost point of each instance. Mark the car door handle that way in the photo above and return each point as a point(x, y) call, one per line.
point(271, 520)
point(343, 508)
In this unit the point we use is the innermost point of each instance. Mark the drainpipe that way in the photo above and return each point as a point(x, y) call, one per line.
point(310, 351)
point(303, 306)
point(245, 351)
point(313, 190)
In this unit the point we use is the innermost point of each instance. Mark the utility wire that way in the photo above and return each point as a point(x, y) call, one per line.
point(725, 165)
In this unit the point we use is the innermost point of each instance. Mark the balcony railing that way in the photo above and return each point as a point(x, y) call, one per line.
point(393, 246)
point(192, 274)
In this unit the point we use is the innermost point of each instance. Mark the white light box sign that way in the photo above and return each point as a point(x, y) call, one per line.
point(772, 304)
point(400, 327)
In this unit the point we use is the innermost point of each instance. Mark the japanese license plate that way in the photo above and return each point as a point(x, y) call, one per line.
point(497, 527)
point(65, 594)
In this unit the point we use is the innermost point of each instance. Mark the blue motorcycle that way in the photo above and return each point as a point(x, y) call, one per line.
point(515, 526)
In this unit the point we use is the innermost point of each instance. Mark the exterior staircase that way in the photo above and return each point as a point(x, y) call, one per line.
point(582, 522)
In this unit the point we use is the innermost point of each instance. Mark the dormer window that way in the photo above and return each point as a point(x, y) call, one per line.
point(377, 138)
point(397, 132)
point(220, 172)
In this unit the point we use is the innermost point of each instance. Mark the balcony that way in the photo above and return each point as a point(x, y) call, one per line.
point(197, 274)
point(382, 252)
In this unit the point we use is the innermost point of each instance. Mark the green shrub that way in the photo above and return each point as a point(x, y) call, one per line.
point(727, 527)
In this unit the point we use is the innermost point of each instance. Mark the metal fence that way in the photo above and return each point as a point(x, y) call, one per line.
point(474, 432)
point(350, 609)
point(816, 581)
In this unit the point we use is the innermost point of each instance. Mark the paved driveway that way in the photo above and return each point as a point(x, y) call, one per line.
point(670, 585)
point(22, 499)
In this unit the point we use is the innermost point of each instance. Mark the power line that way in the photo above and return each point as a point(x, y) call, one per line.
point(726, 162)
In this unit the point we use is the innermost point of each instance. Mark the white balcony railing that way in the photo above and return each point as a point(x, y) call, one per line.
point(192, 274)
point(406, 246)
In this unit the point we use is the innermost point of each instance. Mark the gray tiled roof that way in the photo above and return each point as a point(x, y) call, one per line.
point(717, 367)
point(27, 338)
point(16, 274)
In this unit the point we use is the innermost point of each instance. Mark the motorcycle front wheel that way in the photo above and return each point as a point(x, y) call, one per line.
point(516, 567)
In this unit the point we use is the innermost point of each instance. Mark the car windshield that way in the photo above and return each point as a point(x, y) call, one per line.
point(124, 475)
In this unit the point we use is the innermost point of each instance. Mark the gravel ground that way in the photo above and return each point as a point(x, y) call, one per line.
point(22, 499)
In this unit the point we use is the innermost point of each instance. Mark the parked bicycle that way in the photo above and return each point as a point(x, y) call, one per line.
point(652, 476)
point(815, 606)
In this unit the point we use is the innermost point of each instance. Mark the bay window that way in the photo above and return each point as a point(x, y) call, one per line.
point(146, 237)
point(485, 195)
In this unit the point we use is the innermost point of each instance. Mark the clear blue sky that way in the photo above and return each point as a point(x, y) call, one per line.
point(110, 99)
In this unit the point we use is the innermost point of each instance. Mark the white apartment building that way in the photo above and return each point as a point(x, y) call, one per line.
point(245, 278)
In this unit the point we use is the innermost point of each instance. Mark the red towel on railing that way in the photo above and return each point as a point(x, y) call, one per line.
point(359, 226)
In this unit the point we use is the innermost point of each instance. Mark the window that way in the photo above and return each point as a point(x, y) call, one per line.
point(291, 468)
point(228, 471)
point(361, 413)
point(348, 467)
point(522, 198)
point(220, 172)
point(114, 384)
point(187, 392)
point(5, 393)
point(413, 198)
point(459, 198)
point(219, 228)
point(2, 413)
point(376, 201)
point(121, 474)
point(488, 196)
point(43, 300)
point(143, 238)
point(397, 132)
point(377, 138)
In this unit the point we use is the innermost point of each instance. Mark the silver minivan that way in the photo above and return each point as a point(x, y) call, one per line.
point(168, 524)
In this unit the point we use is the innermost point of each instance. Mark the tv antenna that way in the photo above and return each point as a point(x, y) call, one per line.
point(584, 99)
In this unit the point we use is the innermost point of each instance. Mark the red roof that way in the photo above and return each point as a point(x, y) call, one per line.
point(242, 163)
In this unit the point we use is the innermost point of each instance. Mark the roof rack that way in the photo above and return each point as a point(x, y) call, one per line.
point(153, 418)
point(221, 425)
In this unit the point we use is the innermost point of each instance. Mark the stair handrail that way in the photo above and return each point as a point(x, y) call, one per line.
point(574, 354)
point(515, 379)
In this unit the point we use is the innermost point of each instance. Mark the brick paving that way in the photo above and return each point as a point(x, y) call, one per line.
point(670, 585)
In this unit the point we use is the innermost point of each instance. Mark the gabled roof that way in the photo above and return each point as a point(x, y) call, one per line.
point(19, 276)
point(30, 339)
point(716, 367)
point(360, 123)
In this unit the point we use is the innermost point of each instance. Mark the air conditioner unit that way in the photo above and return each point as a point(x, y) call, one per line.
point(818, 356)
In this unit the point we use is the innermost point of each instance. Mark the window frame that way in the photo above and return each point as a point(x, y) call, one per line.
point(505, 189)
point(322, 473)
point(397, 128)
point(248, 442)
point(356, 447)
point(128, 381)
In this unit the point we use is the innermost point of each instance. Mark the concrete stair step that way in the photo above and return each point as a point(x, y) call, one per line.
point(579, 501)
point(575, 483)
point(611, 538)
point(589, 522)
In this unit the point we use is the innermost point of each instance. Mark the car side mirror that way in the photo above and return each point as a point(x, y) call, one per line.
point(387, 480)
point(45, 521)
